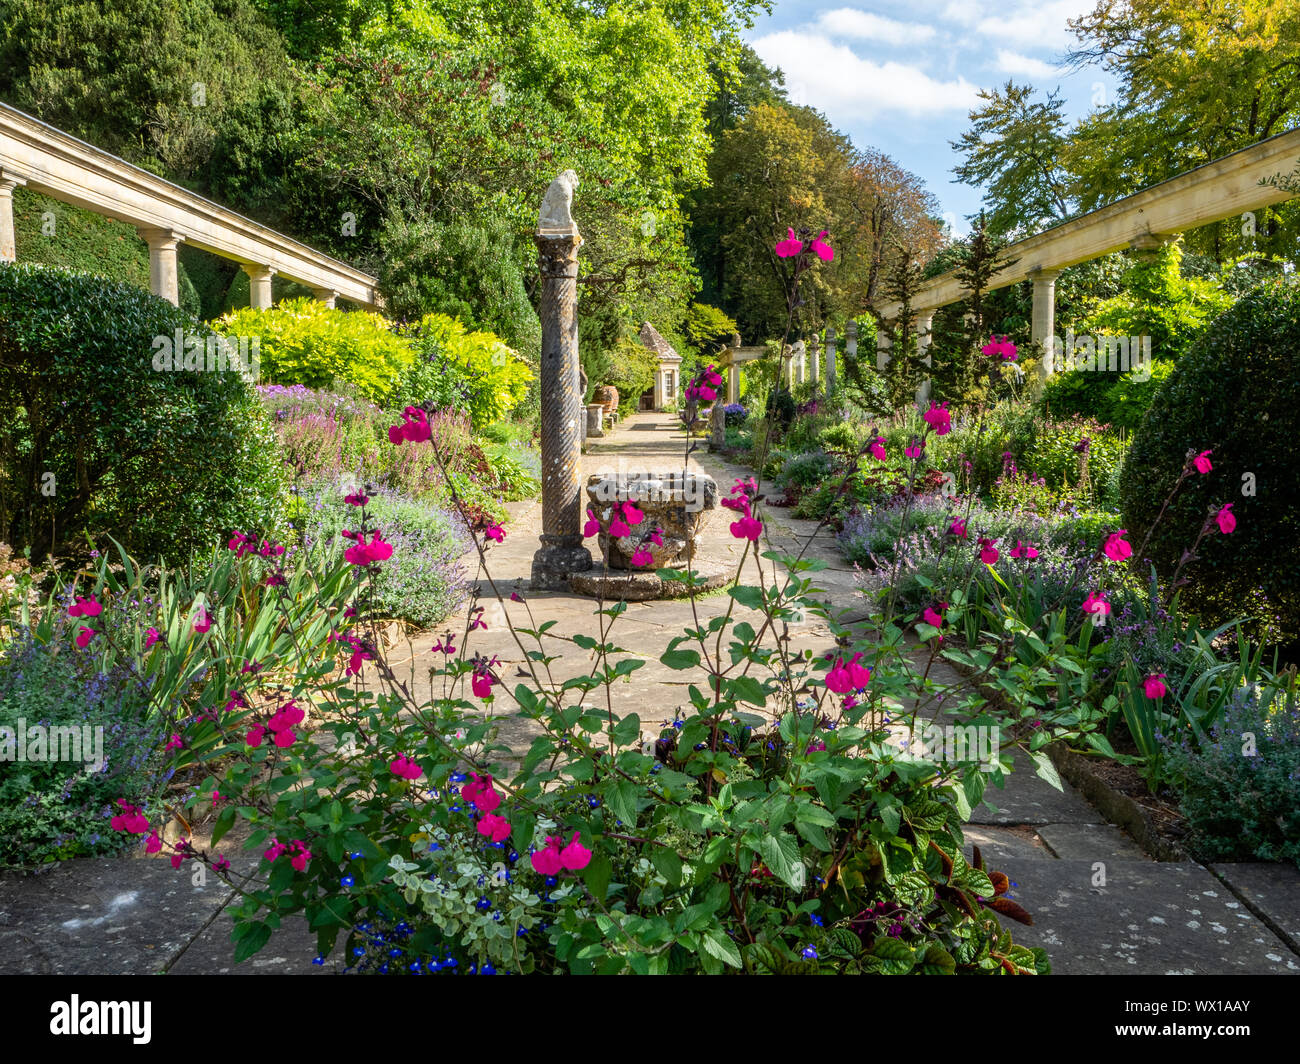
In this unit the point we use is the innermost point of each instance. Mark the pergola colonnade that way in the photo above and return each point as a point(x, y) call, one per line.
point(49, 161)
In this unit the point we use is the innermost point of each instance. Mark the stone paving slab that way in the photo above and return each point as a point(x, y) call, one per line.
point(1150, 918)
point(290, 952)
point(108, 916)
point(1271, 889)
point(1095, 841)
point(1026, 798)
point(998, 845)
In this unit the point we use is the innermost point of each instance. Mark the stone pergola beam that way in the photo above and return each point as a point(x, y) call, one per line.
point(1224, 188)
point(60, 166)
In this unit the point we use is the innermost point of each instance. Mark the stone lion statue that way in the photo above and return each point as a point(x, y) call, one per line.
point(557, 205)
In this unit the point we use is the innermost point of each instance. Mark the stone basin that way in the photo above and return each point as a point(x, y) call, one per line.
point(678, 504)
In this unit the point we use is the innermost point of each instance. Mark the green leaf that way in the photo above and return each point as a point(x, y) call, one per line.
point(667, 864)
point(1046, 769)
point(748, 689)
point(680, 659)
point(781, 854)
point(717, 944)
point(597, 876)
point(252, 940)
point(748, 596)
point(225, 821)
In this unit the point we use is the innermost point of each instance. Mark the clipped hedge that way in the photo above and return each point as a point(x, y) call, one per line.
point(1237, 391)
point(474, 373)
point(305, 342)
point(96, 440)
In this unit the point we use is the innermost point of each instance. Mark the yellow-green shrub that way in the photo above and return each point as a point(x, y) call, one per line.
point(471, 372)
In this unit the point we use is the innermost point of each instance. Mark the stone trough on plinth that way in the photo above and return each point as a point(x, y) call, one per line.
point(677, 505)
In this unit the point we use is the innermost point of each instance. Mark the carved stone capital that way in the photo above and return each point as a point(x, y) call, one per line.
point(557, 256)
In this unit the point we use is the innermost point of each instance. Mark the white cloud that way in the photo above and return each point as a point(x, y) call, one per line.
point(850, 22)
point(1038, 24)
point(831, 77)
point(1015, 63)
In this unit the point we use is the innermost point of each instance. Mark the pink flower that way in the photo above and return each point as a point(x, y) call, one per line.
point(285, 738)
point(496, 828)
point(287, 716)
point(174, 743)
point(85, 607)
point(878, 449)
point(480, 793)
point(547, 862)
point(642, 557)
point(404, 768)
point(481, 683)
point(914, 450)
point(958, 528)
point(988, 552)
point(357, 499)
point(932, 617)
point(130, 819)
point(838, 678)
point(706, 393)
point(789, 247)
point(154, 843)
point(657, 537)
point(575, 856)
point(938, 418)
point(859, 675)
point(632, 515)
point(823, 250)
point(1227, 522)
point(300, 859)
point(592, 527)
point(85, 636)
point(1202, 461)
point(363, 553)
point(415, 427)
point(1154, 687)
point(444, 648)
point(1095, 605)
point(256, 734)
point(747, 527)
point(1002, 347)
point(1116, 548)
point(617, 528)
point(496, 533)
point(1023, 550)
point(177, 859)
point(202, 622)
point(150, 638)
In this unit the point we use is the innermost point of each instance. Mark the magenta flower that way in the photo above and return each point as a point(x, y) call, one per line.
point(1227, 521)
point(480, 793)
point(859, 675)
point(958, 528)
point(356, 499)
point(1154, 687)
point(202, 622)
point(130, 819)
point(363, 553)
point(1003, 348)
point(988, 552)
point(938, 418)
point(1023, 550)
point(632, 515)
point(789, 247)
point(657, 537)
point(1116, 548)
point(575, 856)
point(85, 607)
point(255, 736)
point(1095, 605)
point(915, 450)
point(1202, 461)
point(415, 427)
point(747, 527)
point(496, 828)
point(592, 527)
point(150, 638)
point(838, 678)
point(174, 743)
point(822, 249)
point(405, 768)
point(932, 617)
point(481, 683)
point(496, 533)
point(85, 636)
point(547, 862)
point(878, 449)
point(154, 843)
point(617, 528)
point(642, 558)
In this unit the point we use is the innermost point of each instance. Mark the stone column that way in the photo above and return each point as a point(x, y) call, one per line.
point(851, 340)
point(595, 424)
point(327, 296)
point(8, 246)
point(798, 363)
point(562, 414)
point(1043, 319)
point(814, 359)
point(733, 383)
point(163, 277)
point(259, 285)
point(883, 346)
point(924, 321)
point(830, 359)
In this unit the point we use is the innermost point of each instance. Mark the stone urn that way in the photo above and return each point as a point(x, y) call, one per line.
point(677, 504)
point(608, 395)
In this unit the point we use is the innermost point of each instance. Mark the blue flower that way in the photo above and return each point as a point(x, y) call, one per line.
point(809, 953)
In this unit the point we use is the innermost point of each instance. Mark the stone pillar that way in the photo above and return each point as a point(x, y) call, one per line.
point(1043, 319)
point(163, 277)
point(851, 340)
point(717, 427)
point(830, 359)
point(327, 296)
point(259, 285)
point(595, 425)
point(8, 246)
point(733, 383)
point(798, 363)
point(883, 346)
point(814, 360)
point(562, 414)
point(924, 320)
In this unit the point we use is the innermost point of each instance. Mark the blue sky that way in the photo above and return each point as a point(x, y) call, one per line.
point(902, 75)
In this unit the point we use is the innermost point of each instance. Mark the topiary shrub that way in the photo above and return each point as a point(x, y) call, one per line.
point(469, 372)
point(95, 440)
point(305, 342)
point(1236, 392)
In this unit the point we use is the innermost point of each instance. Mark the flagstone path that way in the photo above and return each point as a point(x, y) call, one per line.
point(1100, 905)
